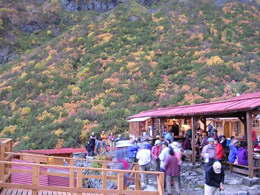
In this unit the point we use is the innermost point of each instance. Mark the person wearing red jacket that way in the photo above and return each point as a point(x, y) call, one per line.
point(256, 148)
point(219, 149)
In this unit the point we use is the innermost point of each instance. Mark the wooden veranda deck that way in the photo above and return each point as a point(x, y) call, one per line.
point(14, 191)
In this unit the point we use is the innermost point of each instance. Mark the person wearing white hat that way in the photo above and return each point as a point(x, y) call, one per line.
point(144, 161)
point(156, 150)
point(209, 153)
point(214, 179)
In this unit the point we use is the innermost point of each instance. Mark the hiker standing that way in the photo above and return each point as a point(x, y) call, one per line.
point(209, 153)
point(89, 149)
point(172, 172)
point(98, 146)
point(144, 161)
point(103, 140)
point(92, 142)
point(156, 150)
point(111, 141)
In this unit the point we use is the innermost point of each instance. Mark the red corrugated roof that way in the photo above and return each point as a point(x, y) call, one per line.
point(240, 103)
point(24, 178)
point(56, 151)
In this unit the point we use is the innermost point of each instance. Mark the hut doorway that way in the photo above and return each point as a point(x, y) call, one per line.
point(227, 129)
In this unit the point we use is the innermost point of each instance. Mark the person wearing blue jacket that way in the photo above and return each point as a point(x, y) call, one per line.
point(169, 136)
point(132, 150)
point(233, 151)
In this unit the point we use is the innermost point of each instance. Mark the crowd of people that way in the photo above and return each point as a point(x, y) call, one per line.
point(165, 155)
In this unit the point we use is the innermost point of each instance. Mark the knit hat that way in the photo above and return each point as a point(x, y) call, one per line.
point(217, 167)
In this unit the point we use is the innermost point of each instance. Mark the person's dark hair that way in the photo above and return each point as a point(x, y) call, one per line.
point(244, 144)
point(171, 152)
point(165, 143)
point(224, 136)
point(232, 137)
point(217, 140)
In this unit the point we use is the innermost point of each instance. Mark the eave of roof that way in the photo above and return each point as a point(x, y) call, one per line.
point(237, 104)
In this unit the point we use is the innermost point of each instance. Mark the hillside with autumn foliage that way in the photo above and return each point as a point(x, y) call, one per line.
point(108, 66)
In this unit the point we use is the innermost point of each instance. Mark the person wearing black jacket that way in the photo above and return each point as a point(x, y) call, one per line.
point(214, 179)
point(89, 149)
point(92, 142)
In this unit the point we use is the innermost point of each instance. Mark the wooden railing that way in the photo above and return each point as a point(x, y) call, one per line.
point(6, 171)
point(77, 172)
point(6, 146)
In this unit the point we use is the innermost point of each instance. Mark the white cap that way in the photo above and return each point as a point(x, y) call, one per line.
point(174, 144)
point(121, 144)
point(157, 142)
point(217, 167)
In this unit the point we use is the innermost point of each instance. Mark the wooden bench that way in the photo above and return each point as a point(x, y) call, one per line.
point(242, 169)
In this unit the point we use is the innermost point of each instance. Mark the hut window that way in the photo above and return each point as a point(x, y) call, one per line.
point(235, 126)
point(255, 123)
point(218, 124)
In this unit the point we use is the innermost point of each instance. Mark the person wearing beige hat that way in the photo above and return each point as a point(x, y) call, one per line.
point(214, 179)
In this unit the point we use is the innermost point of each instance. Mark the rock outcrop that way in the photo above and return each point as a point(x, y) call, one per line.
point(93, 5)
point(6, 55)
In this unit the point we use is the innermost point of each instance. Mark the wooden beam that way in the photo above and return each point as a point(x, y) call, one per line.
point(160, 129)
point(137, 178)
point(249, 144)
point(256, 112)
point(104, 175)
point(153, 127)
point(193, 122)
point(35, 178)
point(2, 158)
point(79, 181)
point(71, 178)
point(120, 181)
point(242, 119)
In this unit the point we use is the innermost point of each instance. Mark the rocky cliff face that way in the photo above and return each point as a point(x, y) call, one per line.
point(6, 55)
point(93, 5)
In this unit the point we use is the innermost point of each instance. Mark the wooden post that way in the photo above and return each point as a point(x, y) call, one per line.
point(137, 178)
point(71, 178)
point(37, 160)
point(153, 127)
point(35, 178)
point(193, 140)
point(204, 121)
point(160, 183)
point(249, 144)
point(246, 127)
point(71, 162)
point(160, 129)
point(2, 158)
point(120, 181)
point(10, 149)
point(79, 180)
point(104, 176)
